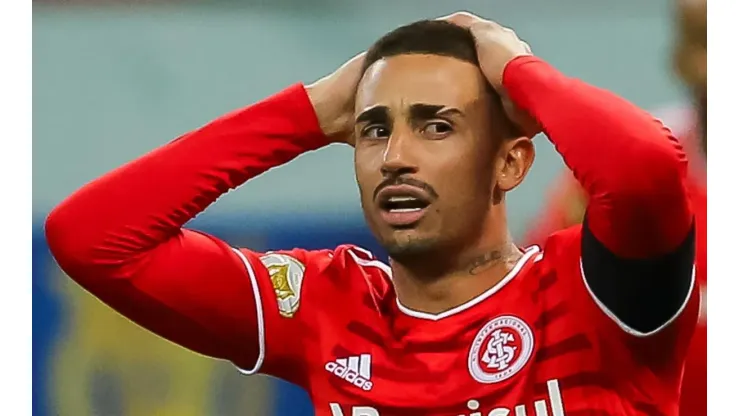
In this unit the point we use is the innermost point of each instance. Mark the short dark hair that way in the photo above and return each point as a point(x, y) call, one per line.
point(432, 37)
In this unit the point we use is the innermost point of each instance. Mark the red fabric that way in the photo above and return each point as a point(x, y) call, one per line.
point(564, 209)
point(119, 236)
point(421, 365)
point(694, 387)
point(631, 166)
point(560, 213)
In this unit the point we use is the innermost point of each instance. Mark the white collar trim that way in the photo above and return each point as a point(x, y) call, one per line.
point(528, 253)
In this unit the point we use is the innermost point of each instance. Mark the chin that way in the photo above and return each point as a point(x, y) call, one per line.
point(408, 243)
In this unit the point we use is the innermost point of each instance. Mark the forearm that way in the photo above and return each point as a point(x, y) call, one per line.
point(146, 201)
point(630, 165)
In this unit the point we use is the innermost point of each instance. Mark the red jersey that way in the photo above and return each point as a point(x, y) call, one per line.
point(566, 207)
point(694, 387)
point(537, 343)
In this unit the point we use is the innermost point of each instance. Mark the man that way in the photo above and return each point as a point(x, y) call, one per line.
point(462, 321)
point(567, 205)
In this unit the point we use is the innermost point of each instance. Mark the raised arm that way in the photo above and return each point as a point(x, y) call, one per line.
point(637, 238)
point(637, 246)
point(120, 236)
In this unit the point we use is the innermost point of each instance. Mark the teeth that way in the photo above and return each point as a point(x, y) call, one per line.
point(405, 209)
point(401, 199)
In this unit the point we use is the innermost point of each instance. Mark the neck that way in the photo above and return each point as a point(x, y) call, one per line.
point(442, 284)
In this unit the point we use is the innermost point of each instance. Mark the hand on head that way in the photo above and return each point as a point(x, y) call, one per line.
point(333, 96)
point(497, 46)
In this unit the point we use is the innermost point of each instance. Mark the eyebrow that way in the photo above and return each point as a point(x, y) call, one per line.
point(379, 113)
point(419, 111)
point(427, 111)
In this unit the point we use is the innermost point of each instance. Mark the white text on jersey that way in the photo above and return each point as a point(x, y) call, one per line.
point(554, 398)
point(354, 370)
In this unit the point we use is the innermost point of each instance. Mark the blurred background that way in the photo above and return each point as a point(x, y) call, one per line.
point(114, 79)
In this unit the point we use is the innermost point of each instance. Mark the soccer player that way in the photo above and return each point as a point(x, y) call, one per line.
point(568, 203)
point(462, 322)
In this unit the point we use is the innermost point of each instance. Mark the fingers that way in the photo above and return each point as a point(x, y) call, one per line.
point(527, 47)
point(470, 21)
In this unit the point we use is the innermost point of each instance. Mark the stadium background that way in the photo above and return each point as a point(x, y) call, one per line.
point(114, 79)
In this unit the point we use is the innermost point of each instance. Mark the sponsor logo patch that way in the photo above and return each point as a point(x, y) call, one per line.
point(286, 275)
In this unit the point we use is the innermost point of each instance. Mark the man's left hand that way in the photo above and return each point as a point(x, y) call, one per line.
point(497, 46)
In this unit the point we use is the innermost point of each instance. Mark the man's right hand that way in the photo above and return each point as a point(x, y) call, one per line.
point(333, 99)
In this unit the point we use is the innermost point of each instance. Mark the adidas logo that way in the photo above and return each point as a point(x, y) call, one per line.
point(354, 370)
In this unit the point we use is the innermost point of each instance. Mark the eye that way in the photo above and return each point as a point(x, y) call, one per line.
point(375, 132)
point(437, 129)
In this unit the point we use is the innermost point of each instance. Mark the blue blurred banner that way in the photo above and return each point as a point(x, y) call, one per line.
point(88, 360)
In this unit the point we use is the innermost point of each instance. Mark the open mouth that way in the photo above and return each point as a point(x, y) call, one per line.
point(402, 206)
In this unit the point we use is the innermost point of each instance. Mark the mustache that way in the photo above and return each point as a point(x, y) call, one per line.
point(405, 180)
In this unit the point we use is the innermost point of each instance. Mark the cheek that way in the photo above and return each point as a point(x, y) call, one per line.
point(470, 169)
point(469, 183)
point(367, 171)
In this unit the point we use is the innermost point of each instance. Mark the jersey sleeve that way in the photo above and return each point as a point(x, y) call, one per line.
point(122, 235)
point(563, 253)
point(638, 241)
point(283, 332)
point(228, 303)
point(566, 200)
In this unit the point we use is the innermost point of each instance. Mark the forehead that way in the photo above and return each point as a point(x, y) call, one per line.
point(402, 80)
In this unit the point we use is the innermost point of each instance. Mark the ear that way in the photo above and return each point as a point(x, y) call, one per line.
point(515, 157)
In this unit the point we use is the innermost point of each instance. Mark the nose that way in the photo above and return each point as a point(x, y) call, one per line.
point(399, 157)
